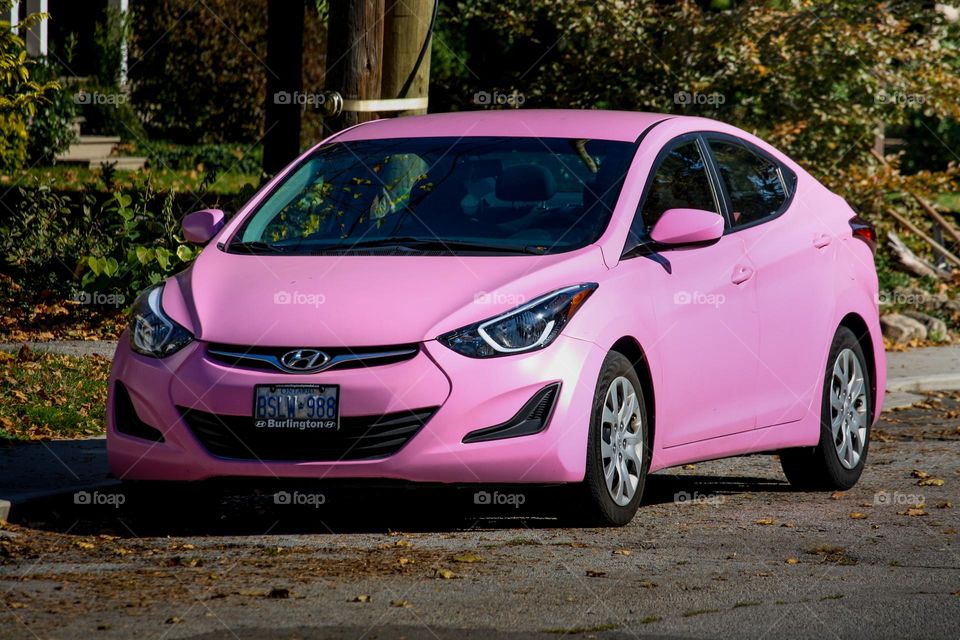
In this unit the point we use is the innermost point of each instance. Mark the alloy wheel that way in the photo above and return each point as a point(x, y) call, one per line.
point(621, 440)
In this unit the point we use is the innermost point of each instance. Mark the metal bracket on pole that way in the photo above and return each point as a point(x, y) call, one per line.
point(334, 104)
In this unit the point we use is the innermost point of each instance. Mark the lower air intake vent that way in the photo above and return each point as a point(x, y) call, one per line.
point(532, 418)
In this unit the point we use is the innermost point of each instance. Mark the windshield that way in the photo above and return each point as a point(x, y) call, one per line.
point(453, 195)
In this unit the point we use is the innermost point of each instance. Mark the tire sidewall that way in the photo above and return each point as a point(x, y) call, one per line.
point(615, 365)
point(840, 475)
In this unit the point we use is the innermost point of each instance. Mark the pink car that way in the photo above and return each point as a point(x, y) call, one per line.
point(579, 297)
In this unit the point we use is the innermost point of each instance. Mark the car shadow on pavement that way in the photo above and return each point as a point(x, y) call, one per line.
point(241, 507)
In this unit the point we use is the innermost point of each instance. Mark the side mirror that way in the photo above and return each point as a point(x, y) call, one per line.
point(677, 227)
point(200, 226)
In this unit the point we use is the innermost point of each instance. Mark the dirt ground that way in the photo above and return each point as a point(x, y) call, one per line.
point(720, 549)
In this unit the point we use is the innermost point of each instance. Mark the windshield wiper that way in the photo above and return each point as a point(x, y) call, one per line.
point(435, 244)
point(255, 246)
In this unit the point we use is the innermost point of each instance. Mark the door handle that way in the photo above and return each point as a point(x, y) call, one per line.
point(741, 274)
point(822, 240)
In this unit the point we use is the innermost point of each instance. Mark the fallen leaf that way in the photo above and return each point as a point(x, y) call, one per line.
point(405, 561)
point(930, 482)
point(622, 552)
point(468, 557)
point(593, 573)
point(403, 604)
point(403, 543)
point(361, 598)
point(914, 512)
point(836, 495)
point(446, 574)
point(765, 521)
point(916, 473)
point(792, 561)
point(173, 620)
point(858, 515)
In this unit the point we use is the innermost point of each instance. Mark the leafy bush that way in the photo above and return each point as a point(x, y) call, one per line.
point(138, 247)
point(51, 130)
point(19, 92)
point(207, 83)
point(54, 244)
point(221, 158)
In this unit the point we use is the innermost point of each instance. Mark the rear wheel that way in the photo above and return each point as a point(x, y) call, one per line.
point(846, 407)
point(618, 454)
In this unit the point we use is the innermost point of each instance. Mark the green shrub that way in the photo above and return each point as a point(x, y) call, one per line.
point(207, 82)
point(138, 247)
point(220, 158)
point(43, 238)
point(13, 140)
point(19, 92)
point(51, 131)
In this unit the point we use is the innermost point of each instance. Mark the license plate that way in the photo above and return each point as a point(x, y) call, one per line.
point(297, 407)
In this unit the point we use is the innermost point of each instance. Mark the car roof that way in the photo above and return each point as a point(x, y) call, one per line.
point(524, 123)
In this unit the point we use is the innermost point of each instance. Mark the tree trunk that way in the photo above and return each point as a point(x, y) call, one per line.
point(354, 55)
point(282, 109)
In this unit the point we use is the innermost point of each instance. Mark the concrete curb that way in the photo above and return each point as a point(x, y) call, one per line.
point(931, 382)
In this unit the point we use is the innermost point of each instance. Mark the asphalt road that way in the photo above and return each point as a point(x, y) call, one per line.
point(723, 549)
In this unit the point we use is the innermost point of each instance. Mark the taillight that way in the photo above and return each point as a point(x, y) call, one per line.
point(863, 230)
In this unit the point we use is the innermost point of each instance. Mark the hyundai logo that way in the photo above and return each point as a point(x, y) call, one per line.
point(304, 360)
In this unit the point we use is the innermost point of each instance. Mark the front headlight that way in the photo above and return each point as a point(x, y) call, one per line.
point(532, 326)
point(152, 333)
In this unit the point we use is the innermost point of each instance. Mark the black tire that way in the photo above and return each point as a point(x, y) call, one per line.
point(819, 467)
point(597, 505)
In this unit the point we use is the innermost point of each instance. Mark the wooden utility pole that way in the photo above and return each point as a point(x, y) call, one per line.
point(354, 55)
point(281, 140)
point(406, 28)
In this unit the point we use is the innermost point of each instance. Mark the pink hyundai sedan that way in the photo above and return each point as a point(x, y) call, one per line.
point(578, 297)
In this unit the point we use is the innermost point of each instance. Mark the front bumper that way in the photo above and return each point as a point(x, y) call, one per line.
point(471, 394)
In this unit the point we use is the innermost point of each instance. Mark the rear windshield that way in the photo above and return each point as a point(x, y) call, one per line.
point(453, 195)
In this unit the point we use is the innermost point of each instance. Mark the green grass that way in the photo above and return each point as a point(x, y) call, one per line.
point(52, 396)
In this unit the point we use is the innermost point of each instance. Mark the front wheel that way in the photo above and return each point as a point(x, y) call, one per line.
point(618, 454)
point(845, 417)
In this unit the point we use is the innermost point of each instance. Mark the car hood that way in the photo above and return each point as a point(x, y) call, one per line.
point(359, 300)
